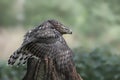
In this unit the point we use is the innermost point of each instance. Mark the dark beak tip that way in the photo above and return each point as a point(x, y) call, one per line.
point(70, 32)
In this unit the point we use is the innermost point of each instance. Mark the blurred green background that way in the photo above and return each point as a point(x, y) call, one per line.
point(95, 39)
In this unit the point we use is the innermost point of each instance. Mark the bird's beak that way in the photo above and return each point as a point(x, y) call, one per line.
point(67, 31)
point(70, 31)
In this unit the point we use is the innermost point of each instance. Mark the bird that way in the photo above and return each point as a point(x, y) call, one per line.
point(46, 39)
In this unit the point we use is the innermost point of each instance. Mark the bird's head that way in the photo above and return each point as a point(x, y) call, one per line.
point(60, 27)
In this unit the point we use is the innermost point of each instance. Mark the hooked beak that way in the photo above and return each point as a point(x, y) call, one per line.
point(69, 31)
point(66, 31)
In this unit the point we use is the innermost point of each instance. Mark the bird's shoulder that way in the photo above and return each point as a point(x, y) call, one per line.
point(41, 35)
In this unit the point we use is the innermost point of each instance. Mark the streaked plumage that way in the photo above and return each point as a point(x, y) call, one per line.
point(43, 40)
